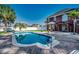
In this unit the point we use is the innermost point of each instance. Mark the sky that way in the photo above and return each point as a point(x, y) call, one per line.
point(37, 13)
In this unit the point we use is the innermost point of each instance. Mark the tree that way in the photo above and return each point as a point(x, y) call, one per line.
point(7, 14)
point(74, 14)
point(20, 25)
point(35, 25)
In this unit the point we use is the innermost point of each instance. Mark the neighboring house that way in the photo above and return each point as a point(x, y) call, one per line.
point(60, 21)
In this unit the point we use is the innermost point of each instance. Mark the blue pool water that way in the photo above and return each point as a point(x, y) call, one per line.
point(30, 38)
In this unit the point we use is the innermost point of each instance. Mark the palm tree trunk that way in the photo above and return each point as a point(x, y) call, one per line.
point(20, 29)
point(5, 28)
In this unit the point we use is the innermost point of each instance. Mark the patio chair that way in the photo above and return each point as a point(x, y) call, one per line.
point(74, 52)
point(59, 51)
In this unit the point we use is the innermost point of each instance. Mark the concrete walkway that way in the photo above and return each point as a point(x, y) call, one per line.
point(68, 42)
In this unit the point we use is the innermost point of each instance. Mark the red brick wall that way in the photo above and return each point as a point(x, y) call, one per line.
point(59, 19)
point(77, 29)
point(51, 19)
point(70, 24)
point(59, 23)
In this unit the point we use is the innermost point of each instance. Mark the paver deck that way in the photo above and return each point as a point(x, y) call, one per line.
point(68, 42)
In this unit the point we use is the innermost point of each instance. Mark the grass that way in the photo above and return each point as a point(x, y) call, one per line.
point(4, 33)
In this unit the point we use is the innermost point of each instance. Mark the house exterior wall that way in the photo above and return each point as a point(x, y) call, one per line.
point(70, 24)
point(59, 19)
point(64, 22)
point(51, 19)
point(64, 17)
point(77, 25)
point(59, 23)
point(50, 25)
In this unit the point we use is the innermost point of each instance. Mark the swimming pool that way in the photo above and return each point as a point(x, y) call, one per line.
point(24, 39)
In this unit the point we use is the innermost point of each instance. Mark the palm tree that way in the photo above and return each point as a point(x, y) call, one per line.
point(7, 14)
point(35, 25)
point(20, 25)
point(74, 14)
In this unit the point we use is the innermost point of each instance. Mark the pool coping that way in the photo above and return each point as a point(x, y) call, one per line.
point(54, 43)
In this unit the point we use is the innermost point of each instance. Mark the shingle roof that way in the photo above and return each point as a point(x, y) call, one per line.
point(62, 12)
